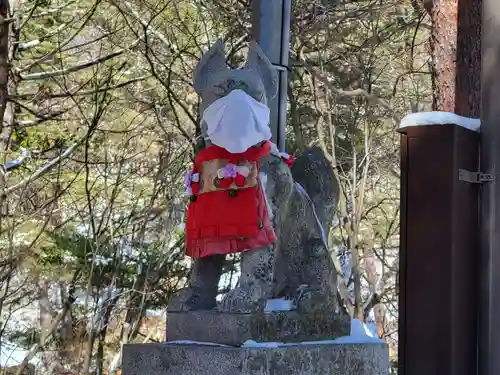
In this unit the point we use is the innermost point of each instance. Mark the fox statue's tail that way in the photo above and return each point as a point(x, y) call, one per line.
point(314, 173)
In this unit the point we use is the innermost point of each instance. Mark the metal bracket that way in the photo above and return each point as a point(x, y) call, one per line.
point(282, 68)
point(474, 177)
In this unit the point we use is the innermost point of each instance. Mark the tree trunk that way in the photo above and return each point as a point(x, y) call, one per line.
point(4, 93)
point(468, 89)
point(4, 65)
point(456, 55)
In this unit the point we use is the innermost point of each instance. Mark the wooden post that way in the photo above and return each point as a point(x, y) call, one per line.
point(438, 251)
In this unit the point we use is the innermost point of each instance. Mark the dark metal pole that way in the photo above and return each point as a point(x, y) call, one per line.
point(271, 30)
point(489, 295)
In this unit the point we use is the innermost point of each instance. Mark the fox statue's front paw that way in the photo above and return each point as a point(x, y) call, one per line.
point(243, 300)
point(189, 299)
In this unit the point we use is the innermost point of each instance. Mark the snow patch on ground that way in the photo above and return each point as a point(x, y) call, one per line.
point(279, 304)
point(439, 118)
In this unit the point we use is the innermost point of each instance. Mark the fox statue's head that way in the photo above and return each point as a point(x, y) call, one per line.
point(244, 92)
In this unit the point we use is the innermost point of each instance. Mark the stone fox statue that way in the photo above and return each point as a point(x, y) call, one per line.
point(246, 197)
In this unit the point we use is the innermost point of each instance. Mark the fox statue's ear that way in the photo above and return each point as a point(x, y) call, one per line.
point(258, 62)
point(213, 61)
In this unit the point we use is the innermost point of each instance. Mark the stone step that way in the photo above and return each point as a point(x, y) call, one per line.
point(194, 359)
point(235, 329)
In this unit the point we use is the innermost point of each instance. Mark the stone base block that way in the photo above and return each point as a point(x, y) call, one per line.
point(332, 359)
point(235, 329)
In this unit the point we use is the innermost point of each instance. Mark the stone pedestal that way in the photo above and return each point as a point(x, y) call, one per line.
point(308, 347)
point(235, 329)
point(331, 359)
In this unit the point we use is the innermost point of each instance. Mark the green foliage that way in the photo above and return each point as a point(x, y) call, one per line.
point(103, 262)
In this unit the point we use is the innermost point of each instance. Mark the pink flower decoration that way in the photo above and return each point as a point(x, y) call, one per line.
point(187, 179)
point(229, 171)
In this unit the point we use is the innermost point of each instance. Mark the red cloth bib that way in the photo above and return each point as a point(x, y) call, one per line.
point(227, 215)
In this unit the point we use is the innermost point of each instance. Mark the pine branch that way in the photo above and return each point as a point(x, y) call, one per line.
point(75, 68)
point(23, 46)
point(297, 61)
point(52, 10)
point(66, 94)
point(46, 168)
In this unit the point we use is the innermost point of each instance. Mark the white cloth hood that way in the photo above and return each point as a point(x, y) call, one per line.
point(237, 121)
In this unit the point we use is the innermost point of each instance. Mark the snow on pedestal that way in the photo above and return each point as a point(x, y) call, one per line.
point(191, 342)
point(279, 304)
point(361, 333)
point(440, 118)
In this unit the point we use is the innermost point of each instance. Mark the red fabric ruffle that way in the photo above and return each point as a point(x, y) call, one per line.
point(220, 224)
